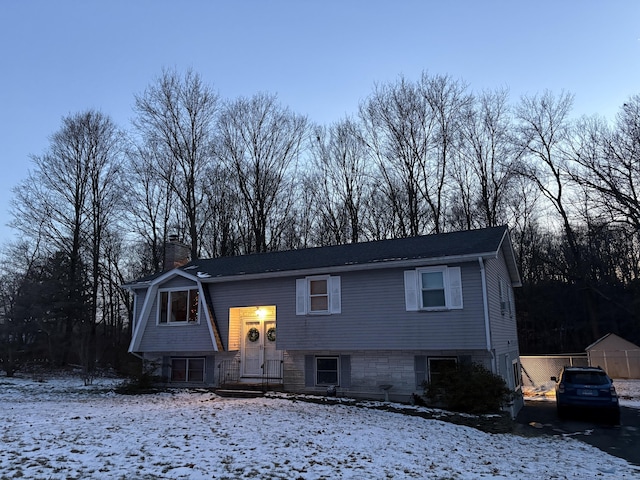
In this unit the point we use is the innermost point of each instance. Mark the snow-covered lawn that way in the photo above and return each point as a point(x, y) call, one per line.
point(60, 429)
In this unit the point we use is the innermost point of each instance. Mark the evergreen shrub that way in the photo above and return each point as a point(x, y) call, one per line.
point(469, 388)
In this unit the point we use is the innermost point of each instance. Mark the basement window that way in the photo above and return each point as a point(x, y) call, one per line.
point(187, 369)
point(440, 368)
point(327, 371)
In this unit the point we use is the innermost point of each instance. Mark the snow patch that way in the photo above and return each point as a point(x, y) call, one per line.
point(59, 428)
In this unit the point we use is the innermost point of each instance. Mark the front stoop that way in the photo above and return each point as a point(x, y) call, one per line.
point(238, 393)
point(246, 390)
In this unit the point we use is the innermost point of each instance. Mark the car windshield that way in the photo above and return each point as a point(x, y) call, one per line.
point(586, 378)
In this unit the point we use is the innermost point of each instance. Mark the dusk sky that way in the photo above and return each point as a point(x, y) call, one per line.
point(320, 57)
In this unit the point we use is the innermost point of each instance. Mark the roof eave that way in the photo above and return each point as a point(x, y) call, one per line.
point(376, 265)
point(510, 258)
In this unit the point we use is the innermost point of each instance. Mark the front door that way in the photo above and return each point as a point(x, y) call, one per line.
point(259, 355)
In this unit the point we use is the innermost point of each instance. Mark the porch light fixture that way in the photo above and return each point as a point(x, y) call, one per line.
point(261, 312)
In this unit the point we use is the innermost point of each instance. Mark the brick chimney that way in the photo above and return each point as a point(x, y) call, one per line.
point(176, 253)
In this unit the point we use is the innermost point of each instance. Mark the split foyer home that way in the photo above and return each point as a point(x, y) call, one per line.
point(370, 320)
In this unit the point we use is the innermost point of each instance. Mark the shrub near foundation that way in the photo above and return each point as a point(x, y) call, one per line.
point(469, 389)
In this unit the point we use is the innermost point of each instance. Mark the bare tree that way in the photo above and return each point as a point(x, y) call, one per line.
point(221, 236)
point(342, 179)
point(412, 130)
point(447, 99)
point(610, 162)
point(260, 142)
point(149, 200)
point(399, 128)
point(66, 204)
point(542, 133)
point(177, 116)
point(488, 161)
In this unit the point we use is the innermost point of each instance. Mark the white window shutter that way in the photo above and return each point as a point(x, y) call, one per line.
point(411, 290)
point(335, 295)
point(301, 296)
point(455, 288)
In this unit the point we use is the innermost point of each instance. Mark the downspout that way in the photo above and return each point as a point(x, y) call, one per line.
point(485, 304)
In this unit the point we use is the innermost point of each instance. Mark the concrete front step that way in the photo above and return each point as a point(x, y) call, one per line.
point(237, 393)
point(247, 390)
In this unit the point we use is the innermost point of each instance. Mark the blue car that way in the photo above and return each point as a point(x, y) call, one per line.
point(587, 388)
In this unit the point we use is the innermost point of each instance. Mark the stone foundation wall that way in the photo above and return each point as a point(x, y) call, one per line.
point(369, 370)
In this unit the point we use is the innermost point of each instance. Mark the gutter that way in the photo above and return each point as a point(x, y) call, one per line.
point(485, 305)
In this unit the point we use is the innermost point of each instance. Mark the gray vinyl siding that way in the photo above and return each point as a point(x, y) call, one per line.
point(280, 292)
point(374, 317)
point(373, 314)
point(178, 337)
point(138, 303)
point(504, 334)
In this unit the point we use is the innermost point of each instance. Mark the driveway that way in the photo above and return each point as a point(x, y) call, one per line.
point(540, 418)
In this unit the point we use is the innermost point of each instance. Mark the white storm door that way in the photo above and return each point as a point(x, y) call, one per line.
point(252, 352)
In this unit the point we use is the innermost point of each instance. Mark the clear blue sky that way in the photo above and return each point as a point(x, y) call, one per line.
point(321, 57)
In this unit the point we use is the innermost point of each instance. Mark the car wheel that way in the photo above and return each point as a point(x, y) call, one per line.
point(562, 412)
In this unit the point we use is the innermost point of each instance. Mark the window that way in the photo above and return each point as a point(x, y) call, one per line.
point(327, 371)
point(506, 298)
point(440, 368)
point(178, 306)
point(433, 288)
point(187, 369)
point(318, 295)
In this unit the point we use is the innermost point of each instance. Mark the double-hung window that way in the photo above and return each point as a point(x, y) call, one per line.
point(187, 369)
point(433, 288)
point(432, 292)
point(440, 368)
point(178, 306)
point(327, 371)
point(318, 295)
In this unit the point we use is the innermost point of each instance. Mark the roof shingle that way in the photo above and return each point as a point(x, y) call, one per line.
point(455, 244)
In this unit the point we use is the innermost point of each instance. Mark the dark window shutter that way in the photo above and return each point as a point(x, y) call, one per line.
point(345, 371)
point(210, 369)
point(465, 360)
point(166, 364)
point(309, 380)
point(420, 367)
